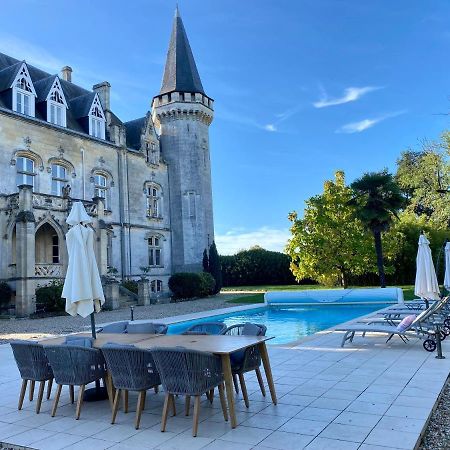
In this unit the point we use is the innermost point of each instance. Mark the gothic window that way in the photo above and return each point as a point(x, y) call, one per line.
point(155, 251)
point(151, 155)
point(59, 179)
point(25, 171)
point(191, 205)
point(101, 188)
point(156, 286)
point(153, 201)
point(55, 249)
point(23, 93)
point(56, 105)
point(97, 119)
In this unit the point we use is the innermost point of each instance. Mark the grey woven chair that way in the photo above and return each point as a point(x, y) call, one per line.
point(33, 366)
point(189, 373)
point(149, 327)
point(132, 369)
point(206, 328)
point(75, 366)
point(246, 360)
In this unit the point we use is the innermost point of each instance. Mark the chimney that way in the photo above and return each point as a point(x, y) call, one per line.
point(104, 92)
point(66, 73)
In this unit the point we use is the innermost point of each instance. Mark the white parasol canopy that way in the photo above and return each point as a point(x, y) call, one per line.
point(447, 266)
point(82, 287)
point(426, 285)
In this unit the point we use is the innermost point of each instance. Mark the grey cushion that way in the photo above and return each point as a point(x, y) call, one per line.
point(78, 341)
point(117, 327)
point(135, 328)
point(251, 329)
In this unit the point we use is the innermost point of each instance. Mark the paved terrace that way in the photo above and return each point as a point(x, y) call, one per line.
point(367, 396)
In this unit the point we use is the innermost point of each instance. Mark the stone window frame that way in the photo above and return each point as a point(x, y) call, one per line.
point(23, 85)
point(109, 184)
point(56, 99)
point(153, 248)
point(156, 286)
point(97, 118)
point(37, 161)
point(150, 199)
point(70, 169)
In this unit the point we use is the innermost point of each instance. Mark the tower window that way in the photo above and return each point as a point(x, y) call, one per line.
point(59, 179)
point(154, 251)
point(25, 171)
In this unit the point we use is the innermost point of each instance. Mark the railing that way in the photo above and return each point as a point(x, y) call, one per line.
point(44, 201)
point(48, 270)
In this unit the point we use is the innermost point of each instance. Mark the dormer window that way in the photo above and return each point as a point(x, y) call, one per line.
point(56, 105)
point(23, 92)
point(97, 119)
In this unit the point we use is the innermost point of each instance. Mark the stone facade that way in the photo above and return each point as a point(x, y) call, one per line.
point(147, 185)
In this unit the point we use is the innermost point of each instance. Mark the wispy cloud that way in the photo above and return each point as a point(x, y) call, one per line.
point(270, 127)
point(239, 239)
point(351, 94)
point(365, 124)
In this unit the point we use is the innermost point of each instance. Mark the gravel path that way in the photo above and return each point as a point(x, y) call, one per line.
point(32, 328)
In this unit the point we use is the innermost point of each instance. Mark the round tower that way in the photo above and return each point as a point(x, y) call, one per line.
point(183, 112)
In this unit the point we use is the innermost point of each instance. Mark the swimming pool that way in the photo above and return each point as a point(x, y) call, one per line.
point(288, 324)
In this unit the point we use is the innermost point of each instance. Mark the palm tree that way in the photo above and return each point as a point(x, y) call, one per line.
point(378, 200)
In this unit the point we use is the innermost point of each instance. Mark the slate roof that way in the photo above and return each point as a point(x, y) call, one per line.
point(134, 129)
point(180, 74)
point(78, 99)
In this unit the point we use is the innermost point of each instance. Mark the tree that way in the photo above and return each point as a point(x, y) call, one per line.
point(205, 261)
point(214, 267)
point(329, 244)
point(378, 200)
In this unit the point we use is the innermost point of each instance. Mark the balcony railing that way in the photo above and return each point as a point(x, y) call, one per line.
point(48, 270)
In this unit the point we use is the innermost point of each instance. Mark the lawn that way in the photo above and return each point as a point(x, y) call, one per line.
point(258, 297)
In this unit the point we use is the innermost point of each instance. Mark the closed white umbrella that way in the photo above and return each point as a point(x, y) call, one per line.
point(426, 285)
point(82, 287)
point(447, 266)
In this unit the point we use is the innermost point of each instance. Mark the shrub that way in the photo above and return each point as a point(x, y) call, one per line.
point(208, 284)
point(215, 268)
point(48, 298)
point(5, 294)
point(131, 285)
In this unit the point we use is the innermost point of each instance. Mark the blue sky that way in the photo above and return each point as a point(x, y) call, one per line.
point(301, 88)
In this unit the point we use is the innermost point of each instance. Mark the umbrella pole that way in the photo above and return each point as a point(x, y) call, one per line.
point(94, 334)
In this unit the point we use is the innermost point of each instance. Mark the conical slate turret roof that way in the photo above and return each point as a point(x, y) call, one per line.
point(180, 74)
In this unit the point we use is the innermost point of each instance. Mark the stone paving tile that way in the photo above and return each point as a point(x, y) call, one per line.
point(345, 432)
point(321, 443)
point(391, 438)
point(286, 441)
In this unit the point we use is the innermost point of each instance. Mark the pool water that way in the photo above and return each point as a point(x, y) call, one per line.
point(288, 324)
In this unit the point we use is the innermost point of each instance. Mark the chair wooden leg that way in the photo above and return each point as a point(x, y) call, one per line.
point(49, 388)
point(139, 408)
point(40, 396)
point(156, 388)
point(261, 382)
point(115, 406)
point(174, 410)
point(244, 389)
point(31, 391)
point(165, 411)
point(79, 401)
point(125, 401)
point(211, 396)
point(223, 402)
point(235, 382)
point(72, 394)
point(22, 393)
point(56, 400)
point(196, 414)
point(187, 405)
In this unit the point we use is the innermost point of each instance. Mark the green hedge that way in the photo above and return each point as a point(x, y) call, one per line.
point(190, 285)
point(48, 298)
point(5, 294)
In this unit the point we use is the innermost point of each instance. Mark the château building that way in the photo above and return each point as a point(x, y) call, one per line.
point(146, 183)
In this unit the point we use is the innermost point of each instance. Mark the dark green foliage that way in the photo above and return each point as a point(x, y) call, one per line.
point(215, 268)
point(256, 267)
point(190, 285)
point(131, 285)
point(378, 201)
point(207, 284)
point(205, 261)
point(5, 294)
point(48, 298)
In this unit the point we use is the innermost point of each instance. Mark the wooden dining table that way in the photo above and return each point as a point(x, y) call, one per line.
point(221, 345)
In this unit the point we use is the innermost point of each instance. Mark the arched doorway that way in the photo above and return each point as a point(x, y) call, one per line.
point(48, 261)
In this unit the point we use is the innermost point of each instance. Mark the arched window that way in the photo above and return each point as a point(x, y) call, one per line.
point(155, 251)
point(101, 188)
point(25, 171)
point(59, 179)
point(23, 93)
point(153, 201)
point(56, 105)
point(156, 286)
point(97, 119)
